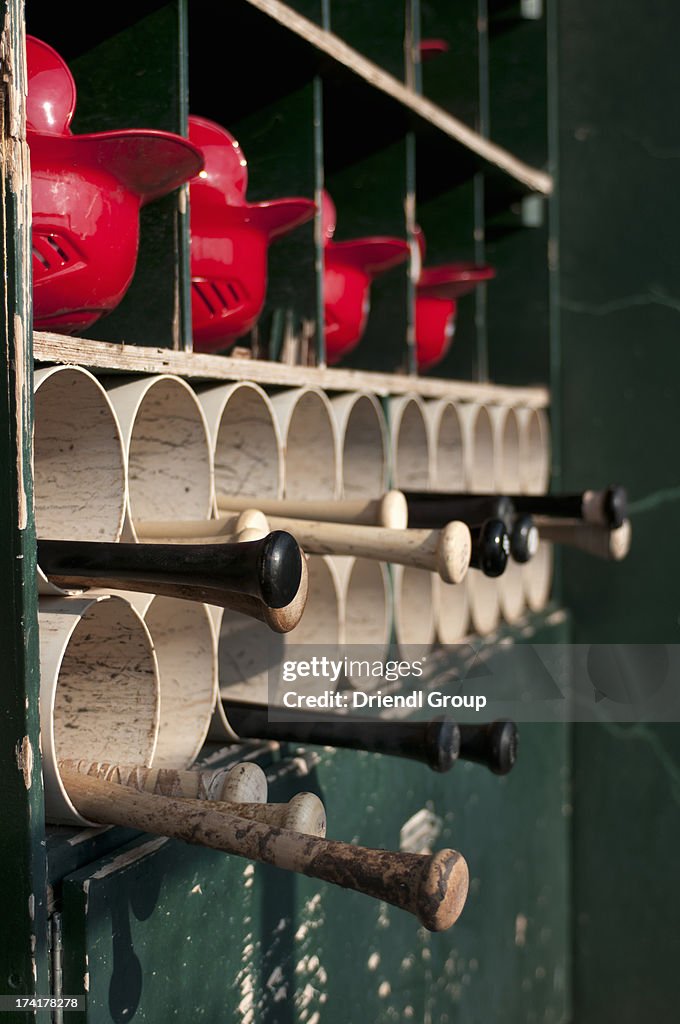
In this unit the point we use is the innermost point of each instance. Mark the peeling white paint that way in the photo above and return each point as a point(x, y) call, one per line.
point(24, 756)
point(31, 906)
point(197, 890)
point(130, 856)
point(373, 961)
point(384, 989)
point(86, 981)
point(21, 400)
point(521, 923)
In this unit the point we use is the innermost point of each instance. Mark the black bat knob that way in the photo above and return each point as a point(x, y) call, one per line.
point(269, 569)
point(523, 539)
point(490, 547)
point(615, 506)
point(493, 745)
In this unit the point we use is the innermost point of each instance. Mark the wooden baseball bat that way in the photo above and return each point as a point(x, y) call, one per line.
point(233, 527)
point(433, 888)
point(268, 570)
point(610, 544)
point(446, 551)
point(389, 510)
point(303, 813)
point(432, 509)
point(244, 782)
point(434, 743)
point(608, 507)
point(438, 743)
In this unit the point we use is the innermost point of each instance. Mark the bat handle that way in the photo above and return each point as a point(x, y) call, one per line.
point(268, 569)
point(432, 743)
point(493, 745)
point(524, 539)
point(490, 547)
point(433, 888)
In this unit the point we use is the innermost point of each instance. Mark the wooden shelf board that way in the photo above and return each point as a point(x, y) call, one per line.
point(335, 48)
point(108, 357)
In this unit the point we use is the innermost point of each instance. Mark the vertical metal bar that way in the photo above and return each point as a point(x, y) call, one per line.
point(318, 234)
point(483, 126)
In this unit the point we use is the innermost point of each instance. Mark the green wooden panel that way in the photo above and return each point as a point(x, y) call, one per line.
point(369, 195)
point(377, 30)
point(618, 212)
point(23, 937)
point(137, 79)
point(452, 79)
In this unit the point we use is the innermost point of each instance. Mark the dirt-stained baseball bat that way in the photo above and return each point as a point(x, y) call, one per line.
point(303, 813)
point(268, 570)
point(388, 510)
point(244, 782)
point(433, 888)
point(600, 541)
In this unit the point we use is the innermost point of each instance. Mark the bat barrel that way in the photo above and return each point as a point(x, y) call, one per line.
point(433, 888)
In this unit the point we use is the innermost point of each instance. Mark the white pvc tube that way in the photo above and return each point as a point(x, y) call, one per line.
point(247, 650)
point(99, 690)
point(166, 440)
point(310, 443)
point(534, 450)
point(452, 610)
point(363, 444)
point(485, 606)
point(478, 448)
point(446, 444)
point(409, 443)
point(415, 610)
point(184, 640)
point(537, 576)
point(245, 439)
point(366, 612)
point(507, 445)
point(79, 469)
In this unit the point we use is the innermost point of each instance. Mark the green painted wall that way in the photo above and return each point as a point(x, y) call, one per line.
point(619, 213)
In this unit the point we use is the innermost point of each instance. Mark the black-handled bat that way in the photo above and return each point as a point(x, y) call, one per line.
point(607, 507)
point(432, 509)
point(438, 743)
point(269, 569)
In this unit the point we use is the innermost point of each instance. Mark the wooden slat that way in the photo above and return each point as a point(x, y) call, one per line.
point(333, 46)
point(109, 357)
